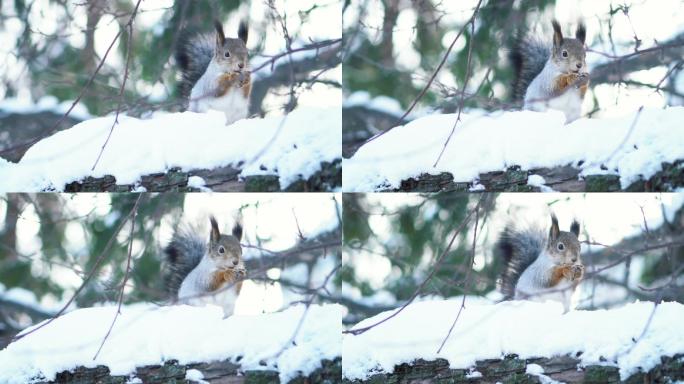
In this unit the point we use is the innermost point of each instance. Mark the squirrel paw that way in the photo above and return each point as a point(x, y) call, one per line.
point(243, 79)
point(241, 271)
point(577, 271)
point(582, 80)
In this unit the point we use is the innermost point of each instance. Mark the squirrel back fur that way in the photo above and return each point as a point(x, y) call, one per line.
point(518, 248)
point(528, 57)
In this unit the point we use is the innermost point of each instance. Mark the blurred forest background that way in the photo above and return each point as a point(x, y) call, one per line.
point(61, 51)
point(632, 246)
point(55, 245)
point(395, 46)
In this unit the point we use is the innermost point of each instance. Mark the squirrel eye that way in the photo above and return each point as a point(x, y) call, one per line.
point(221, 250)
point(564, 53)
point(560, 246)
point(227, 54)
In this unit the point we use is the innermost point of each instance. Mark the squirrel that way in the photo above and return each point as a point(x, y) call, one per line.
point(553, 76)
point(215, 73)
point(541, 267)
point(201, 272)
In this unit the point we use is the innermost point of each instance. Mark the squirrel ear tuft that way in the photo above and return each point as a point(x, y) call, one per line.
point(220, 36)
point(557, 34)
point(237, 230)
point(243, 31)
point(554, 231)
point(575, 227)
point(581, 33)
point(215, 233)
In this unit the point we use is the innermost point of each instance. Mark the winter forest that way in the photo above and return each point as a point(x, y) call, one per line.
point(77, 62)
point(440, 72)
point(342, 191)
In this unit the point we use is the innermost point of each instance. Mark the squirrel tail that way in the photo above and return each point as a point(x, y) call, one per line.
point(193, 55)
point(182, 255)
point(518, 249)
point(528, 57)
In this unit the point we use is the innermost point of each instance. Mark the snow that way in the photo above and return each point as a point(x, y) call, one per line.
point(384, 104)
point(292, 147)
point(540, 182)
point(490, 331)
point(199, 183)
point(148, 335)
point(524, 138)
point(45, 104)
point(538, 370)
point(195, 376)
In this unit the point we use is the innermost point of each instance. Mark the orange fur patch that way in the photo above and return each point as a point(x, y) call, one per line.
point(583, 89)
point(563, 81)
point(225, 82)
point(246, 89)
point(559, 273)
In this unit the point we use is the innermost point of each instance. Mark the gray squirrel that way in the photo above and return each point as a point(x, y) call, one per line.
point(201, 272)
point(541, 266)
point(215, 73)
point(551, 76)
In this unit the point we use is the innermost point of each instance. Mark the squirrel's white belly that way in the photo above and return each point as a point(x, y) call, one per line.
point(233, 104)
point(569, 103)
point(225, 298)
point(534, 277)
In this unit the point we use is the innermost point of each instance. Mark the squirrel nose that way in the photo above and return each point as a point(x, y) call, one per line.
point(235, 262)
point(240, 65)
point(574, 259)
point(579, 65)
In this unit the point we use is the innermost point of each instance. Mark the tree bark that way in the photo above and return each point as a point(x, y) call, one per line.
point(511, 369)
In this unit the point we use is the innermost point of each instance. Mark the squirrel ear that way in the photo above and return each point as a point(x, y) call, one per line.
point(220, 36)
point(557, 34)
point(555, 231)
point(215, 233)
point(575, 227)
point(237, 230)
point(581, 33)
point(243, 31)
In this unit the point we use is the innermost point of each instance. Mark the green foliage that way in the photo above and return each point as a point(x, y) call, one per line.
point(36, 272)
point(419, 234)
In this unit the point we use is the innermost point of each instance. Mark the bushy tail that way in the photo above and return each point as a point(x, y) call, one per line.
point(518, 249)
point(183, 253)
point(193, 55)
point(528, 57)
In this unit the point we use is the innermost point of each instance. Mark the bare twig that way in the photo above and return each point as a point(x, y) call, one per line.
point(133, 215)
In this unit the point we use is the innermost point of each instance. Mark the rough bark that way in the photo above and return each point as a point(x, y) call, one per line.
point(511, 369)
point(219, 372)
point(561, 179)
point(221, 179)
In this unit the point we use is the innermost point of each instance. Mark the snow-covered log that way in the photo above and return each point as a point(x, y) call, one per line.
point(175, 151)
point(525, 150)
point(521, 341)
point(161, 344)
